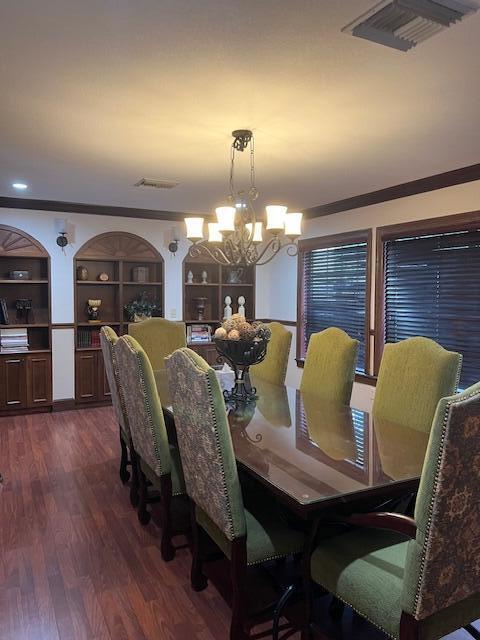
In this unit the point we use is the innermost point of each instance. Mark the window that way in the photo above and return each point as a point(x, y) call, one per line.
point(431, 287)
point(334, 289)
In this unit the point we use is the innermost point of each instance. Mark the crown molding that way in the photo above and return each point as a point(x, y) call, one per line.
point(422, 185)
point(93, 209)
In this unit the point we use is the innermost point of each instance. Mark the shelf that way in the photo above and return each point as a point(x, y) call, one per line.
point(99, 324)
point(12, 281)
point(32, 325)
point(145, 284)
point(18, 353)
point(237, 284)
point(90, 282)
point(88, 348)
point(202, 284)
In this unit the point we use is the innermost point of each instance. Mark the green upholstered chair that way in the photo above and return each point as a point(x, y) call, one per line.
point(108, 339)
point(159, 338)
point(414, 374)
point(273, 367)
point(418, 579)
point(330, 363)
point(246, 537)
point(156, 460)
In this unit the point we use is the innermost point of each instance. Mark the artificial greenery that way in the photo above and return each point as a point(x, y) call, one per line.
point(142, 306)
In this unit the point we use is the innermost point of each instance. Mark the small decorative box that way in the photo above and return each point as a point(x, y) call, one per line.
point(20, 275)
point(140, 274)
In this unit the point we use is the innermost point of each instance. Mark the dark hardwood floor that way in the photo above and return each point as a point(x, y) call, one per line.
point(74, 561)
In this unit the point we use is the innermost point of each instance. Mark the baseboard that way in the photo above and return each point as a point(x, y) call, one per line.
point(68, 404)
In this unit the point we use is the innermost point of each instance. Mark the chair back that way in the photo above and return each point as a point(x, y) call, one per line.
point(204, 441)
point(329, 369)
point(443, 565)
point(414, 374)
point(159, 338)
point(144, 411)
point(108, 340)
point(273, 367)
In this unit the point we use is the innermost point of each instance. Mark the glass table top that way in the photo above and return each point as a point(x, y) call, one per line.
point(314, 451)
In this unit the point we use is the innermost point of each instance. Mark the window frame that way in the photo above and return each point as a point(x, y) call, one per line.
point(469, 221)
point(326, 242)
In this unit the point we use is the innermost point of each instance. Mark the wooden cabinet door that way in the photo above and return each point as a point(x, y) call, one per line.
point(39, 379)
point(14, 380)
point(86, 376)
point(104, 388)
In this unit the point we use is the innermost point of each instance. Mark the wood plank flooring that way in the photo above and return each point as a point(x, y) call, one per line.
point(75, 564)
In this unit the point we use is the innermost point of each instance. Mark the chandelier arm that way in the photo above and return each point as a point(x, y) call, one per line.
point(275, 245)
point(215, 253)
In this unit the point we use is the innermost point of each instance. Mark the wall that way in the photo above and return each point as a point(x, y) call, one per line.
point(276, 283)
point(281, 299)
point(41, 225)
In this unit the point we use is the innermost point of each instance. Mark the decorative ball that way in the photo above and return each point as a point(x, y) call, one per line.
point(221, 333)
point(263, 332)
point(246, 331)
point(233, 335)
point(228, 325)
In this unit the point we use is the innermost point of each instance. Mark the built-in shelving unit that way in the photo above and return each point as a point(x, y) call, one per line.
point(119, 255)
point(25, 372)
point(219, 284)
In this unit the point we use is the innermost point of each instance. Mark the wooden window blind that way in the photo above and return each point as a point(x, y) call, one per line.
point(432, 289)
point(334, 289)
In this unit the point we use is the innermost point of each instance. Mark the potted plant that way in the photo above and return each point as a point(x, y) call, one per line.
point(141, 308)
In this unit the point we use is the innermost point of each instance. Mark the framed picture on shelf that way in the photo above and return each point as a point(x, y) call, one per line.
point(199, 333)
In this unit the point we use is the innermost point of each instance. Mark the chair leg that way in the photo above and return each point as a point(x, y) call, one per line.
point(124, 473)
point(239, 575)
point(198, 580)
point(166, 547)
point(134, 497)
point(143, 513)
point(280, 608)
point(408, 627)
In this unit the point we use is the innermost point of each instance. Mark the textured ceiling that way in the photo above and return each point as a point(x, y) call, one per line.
point(99, 93)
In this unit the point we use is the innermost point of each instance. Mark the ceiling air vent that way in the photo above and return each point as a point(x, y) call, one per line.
point(156, 184)
point(402, 24)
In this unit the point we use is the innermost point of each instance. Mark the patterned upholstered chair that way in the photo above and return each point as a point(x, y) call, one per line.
point(159, 338)
point(330, 362)
point(156, 460)
point(246, 537)
point(414, 374)
point(274, 366)
point(418, 578)
point(108, 339)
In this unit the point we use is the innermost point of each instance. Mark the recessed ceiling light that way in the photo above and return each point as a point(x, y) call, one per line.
point(20, 185)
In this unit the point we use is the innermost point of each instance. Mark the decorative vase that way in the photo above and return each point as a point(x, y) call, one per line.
point(93, 311)
point(200, 305)
point(82, 273)
point(241, 354)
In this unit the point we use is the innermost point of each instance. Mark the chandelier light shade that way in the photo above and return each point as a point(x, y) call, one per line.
point(194, 228)
point(257, 233)
point(237, 237)
point(226, 218)
point(293, 224)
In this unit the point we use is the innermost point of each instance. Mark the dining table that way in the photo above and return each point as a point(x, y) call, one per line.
point(317, 457)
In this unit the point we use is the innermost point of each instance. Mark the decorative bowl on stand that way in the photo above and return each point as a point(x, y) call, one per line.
point(241, 354)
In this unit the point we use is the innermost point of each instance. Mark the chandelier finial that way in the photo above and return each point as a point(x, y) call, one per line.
point(242, 138)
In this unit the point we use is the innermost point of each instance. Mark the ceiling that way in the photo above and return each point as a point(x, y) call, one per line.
point(99, 93)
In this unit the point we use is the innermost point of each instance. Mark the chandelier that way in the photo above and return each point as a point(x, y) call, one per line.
point(237, 237)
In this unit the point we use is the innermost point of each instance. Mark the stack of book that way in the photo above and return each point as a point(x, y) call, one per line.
point(13, 340)
point(87, 338)
point(199, 333)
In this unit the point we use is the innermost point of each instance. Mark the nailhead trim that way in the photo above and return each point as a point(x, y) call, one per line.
point(231, 531)
point(438, 468)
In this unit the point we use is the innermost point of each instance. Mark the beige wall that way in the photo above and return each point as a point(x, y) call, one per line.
point(279, 298)
point(276, 291)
